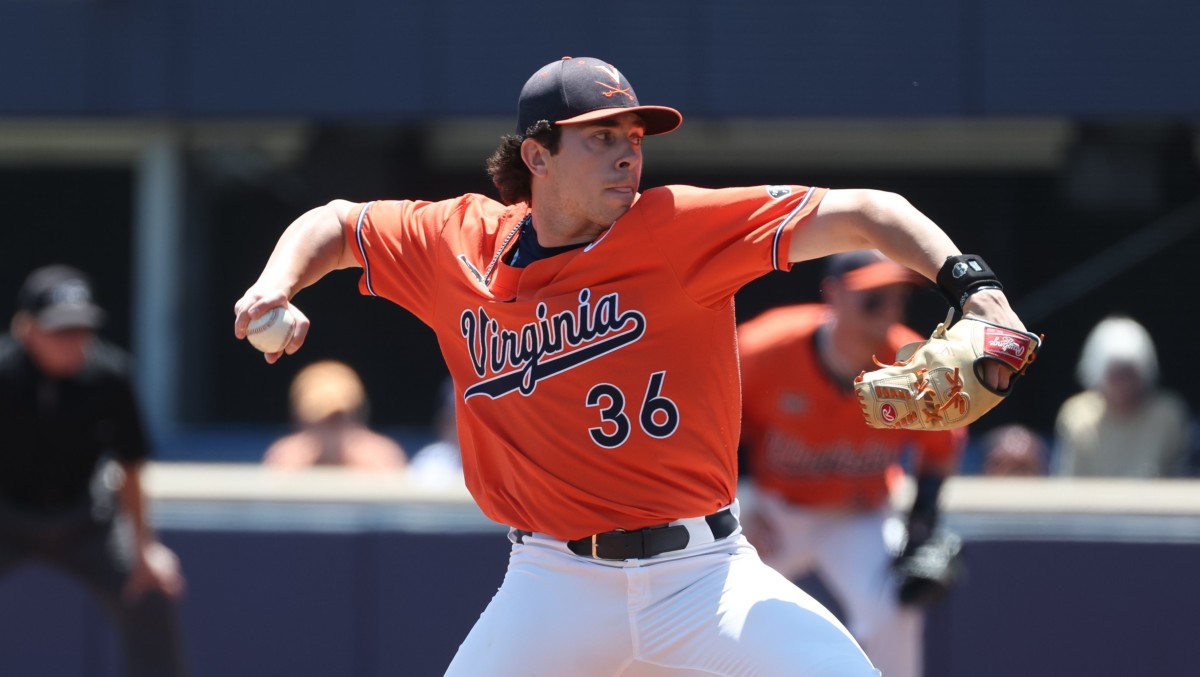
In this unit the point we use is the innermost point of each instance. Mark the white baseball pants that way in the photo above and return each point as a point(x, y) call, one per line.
point(711, 609)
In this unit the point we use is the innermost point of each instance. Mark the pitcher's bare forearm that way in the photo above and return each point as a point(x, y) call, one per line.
point(872, 219)
point(310, 248)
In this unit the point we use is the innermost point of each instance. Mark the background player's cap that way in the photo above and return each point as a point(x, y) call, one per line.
point(575, 90)
point(60, 297)
point(869, 269)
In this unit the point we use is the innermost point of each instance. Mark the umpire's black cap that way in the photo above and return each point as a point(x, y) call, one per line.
point(60, 297)
point(574, 90)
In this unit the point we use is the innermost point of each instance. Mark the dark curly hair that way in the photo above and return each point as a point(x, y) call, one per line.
point(506, 167)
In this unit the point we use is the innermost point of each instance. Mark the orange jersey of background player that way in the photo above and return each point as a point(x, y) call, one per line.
point(597, 388)
point(804, 433)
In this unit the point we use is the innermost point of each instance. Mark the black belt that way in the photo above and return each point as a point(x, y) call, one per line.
point(650, 541)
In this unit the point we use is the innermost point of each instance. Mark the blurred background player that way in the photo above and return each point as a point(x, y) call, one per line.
point(1014, 450)
point(66, 403)
point(1122, 424)
point(329, 406)
point(824, 478)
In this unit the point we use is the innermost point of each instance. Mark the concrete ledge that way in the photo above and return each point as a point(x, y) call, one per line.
point(253, 498)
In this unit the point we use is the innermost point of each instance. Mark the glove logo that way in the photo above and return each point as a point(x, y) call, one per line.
point(1006, 346)
point(888, 413)
point(778, 191)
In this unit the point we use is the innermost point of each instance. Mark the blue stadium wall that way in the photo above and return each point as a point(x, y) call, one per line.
point(339, 60)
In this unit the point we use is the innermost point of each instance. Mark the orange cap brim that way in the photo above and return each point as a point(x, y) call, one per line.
point(880, 274)
point(659, 119)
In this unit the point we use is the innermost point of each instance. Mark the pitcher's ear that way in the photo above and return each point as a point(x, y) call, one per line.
point(535, 156)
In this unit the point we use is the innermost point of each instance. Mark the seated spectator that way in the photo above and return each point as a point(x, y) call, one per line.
point(1013, 451)
point(439, 463)
point(329, 405)
point(1122, 425)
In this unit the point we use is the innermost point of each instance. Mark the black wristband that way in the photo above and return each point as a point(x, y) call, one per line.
point(963, 275)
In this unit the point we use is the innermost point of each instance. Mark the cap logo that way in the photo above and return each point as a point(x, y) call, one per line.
point(72, 292)
point(610, 72)
point(611, 90)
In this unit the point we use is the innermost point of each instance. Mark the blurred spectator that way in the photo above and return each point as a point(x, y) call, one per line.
point(439, 463)
point(329, 405)
point(66, 406)
point(1122, 425)
point(1013, 451)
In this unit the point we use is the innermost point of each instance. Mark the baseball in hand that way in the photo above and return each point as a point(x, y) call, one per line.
point(272, 332)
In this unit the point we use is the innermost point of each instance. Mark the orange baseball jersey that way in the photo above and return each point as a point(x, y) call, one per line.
point(597, 388)
point(804, 434)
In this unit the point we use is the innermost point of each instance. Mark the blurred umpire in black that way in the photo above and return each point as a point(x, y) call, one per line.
point(67, 408)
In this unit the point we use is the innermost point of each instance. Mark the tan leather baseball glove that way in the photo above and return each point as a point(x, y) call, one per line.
point(938, 384)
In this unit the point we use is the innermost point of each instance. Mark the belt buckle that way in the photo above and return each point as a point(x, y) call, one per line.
point(596, 545)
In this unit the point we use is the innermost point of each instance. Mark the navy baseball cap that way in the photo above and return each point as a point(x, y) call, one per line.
point(60, 297)
point(581, 89)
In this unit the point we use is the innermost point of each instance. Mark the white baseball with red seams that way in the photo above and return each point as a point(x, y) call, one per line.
point(271, 332)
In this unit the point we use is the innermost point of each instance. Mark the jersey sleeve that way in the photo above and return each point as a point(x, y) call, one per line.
point(717, 240)
point(393, 241)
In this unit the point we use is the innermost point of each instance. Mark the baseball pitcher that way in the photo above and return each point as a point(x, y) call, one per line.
point(589, 330)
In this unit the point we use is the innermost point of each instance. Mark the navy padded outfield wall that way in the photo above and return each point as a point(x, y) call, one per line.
point(334, 60)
